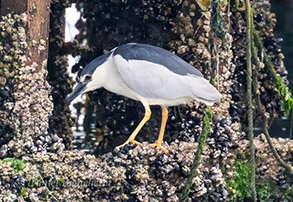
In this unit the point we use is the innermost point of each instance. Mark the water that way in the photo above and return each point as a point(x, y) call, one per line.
point(284, 29)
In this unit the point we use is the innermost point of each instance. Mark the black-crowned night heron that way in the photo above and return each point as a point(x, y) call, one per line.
point(148, 74)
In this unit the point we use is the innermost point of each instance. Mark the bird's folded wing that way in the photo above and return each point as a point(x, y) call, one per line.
point(153, 80)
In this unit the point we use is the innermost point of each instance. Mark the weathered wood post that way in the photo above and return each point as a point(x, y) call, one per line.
point(25, 104)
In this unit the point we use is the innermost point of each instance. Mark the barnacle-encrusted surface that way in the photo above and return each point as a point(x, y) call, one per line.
point(25, 104)
point(160, 23)
point(141, 173)
point(131, 174)
point(264, 24)
point(60, 121)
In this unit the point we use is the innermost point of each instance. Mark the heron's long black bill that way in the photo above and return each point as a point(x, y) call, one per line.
point(79, 89)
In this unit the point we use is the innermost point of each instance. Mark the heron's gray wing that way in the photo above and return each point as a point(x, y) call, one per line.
point(153, 80)
point(133, 51)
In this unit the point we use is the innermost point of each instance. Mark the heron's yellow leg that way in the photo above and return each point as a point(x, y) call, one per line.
point(159, 142)
point(146, 117)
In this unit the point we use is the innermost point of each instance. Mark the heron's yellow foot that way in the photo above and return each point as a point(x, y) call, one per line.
point(158, 144)
point(128, 141)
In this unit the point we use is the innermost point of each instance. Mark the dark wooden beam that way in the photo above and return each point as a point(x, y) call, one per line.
point(13, 6)
point(38, 15)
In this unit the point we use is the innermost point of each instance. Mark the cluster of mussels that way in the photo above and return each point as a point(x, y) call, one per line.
point(26, 104)
point(264, 22)
point(48, 142)
point(60, 121)
point(192, 37)
point(133, 173)
point(9, 32)
point(118, 22)
point(116, 120)
point(187, 35)
point(160, 23)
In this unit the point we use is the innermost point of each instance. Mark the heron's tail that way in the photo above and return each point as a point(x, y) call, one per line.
point(204, 92)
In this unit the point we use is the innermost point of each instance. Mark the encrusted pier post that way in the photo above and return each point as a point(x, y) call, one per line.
point(25, 104)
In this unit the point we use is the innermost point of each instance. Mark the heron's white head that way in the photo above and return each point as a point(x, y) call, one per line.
point(92, 77)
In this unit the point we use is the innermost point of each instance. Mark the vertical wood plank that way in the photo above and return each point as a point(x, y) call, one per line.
point(38, 27)
point(38, 13)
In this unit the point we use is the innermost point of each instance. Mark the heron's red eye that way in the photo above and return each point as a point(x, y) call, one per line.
point(88, 77)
